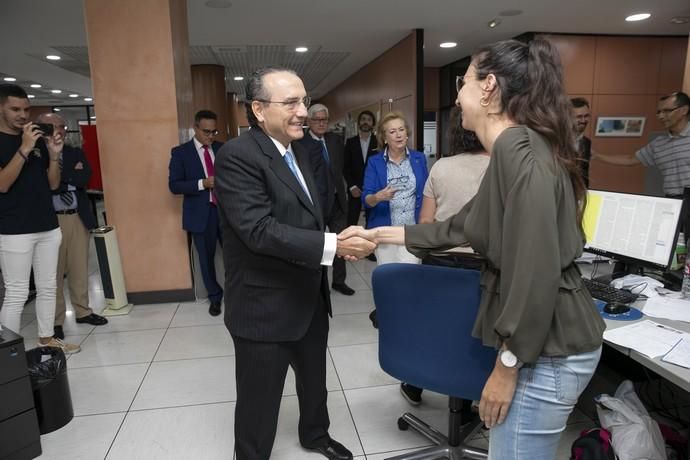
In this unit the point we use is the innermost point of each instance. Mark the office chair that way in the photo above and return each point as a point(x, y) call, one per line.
point(425, 316)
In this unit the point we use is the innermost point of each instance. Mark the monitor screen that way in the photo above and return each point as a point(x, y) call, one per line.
point(632, 228)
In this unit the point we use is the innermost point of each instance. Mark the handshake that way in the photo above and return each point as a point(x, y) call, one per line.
point(356, 243)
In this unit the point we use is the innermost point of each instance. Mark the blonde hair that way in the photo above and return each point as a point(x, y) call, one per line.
point(381, 128)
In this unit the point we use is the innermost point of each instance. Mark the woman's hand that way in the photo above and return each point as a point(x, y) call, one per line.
point(361, 232)
point(385, 194)
point(497, 395)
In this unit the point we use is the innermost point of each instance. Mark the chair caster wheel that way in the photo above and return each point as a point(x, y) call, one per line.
point(402, 424)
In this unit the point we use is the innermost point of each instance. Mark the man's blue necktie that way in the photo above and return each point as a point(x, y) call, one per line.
point(290, 160)
point(324, 151)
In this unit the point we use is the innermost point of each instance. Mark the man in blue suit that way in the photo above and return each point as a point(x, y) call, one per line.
point(192, 174)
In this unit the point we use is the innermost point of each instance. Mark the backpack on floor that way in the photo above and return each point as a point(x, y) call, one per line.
point(593, 444)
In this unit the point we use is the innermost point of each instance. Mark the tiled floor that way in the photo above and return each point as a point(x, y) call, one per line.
point(160, 384)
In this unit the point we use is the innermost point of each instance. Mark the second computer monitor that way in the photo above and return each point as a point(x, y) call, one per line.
point(636, 229)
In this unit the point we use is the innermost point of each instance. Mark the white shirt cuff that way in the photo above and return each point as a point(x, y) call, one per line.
point(330, 245)
point(353, 187)
point(201, 184)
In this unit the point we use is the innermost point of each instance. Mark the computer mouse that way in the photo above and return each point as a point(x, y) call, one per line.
point(616, 308)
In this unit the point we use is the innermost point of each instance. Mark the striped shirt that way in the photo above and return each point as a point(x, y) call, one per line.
point(671, 155)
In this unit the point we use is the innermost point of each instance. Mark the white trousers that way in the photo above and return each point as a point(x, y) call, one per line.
point(18, 253)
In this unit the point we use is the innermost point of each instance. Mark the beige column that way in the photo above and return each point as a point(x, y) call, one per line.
point(208, 89)
point(138, 53)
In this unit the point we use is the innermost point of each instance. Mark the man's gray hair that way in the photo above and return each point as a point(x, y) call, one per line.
point(316, 108)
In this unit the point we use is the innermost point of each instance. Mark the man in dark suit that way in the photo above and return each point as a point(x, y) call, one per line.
point(582, 116)
point(192, 175)
point(327, 158)
point(76, 220)
point(277, 301)
point(358, 149)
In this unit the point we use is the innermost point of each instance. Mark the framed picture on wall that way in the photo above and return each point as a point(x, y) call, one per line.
point(620, 126)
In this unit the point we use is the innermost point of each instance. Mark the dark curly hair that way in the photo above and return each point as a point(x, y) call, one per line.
point(462, 140)
point(530, 79)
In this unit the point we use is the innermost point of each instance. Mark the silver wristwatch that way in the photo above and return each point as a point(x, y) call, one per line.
point(508, 359)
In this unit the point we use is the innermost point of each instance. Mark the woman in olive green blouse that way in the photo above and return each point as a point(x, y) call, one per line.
point(526, 220)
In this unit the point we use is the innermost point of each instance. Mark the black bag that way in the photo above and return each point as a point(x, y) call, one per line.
point(48, 371)
point(594, 444)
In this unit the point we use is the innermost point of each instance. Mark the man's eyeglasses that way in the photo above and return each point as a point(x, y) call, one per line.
point(210, 132)
point(667, 111)
point(319, 120)
point(291, 104)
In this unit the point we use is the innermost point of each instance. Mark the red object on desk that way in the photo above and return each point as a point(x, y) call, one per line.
point(90, 147)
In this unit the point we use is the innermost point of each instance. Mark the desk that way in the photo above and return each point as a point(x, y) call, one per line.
point(675, 374)
point(680, 376)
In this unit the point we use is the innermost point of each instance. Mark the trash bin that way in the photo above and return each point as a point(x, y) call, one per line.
point(52, 398)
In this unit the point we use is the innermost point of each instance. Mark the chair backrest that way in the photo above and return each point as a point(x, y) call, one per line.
point(425, 316)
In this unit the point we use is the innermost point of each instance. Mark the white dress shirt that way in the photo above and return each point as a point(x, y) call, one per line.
point(200, 151)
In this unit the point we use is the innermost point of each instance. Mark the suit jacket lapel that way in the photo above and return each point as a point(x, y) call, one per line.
point(195, 160)
point(301, 155)
point(280, 168)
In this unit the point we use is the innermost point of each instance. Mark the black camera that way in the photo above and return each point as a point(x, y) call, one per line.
point(46, 128)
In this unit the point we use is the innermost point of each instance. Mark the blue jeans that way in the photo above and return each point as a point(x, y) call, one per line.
point(545, 395)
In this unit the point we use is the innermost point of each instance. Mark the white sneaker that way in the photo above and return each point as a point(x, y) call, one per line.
point(67, 348)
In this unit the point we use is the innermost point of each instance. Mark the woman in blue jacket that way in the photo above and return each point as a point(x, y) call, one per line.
point(393, 184)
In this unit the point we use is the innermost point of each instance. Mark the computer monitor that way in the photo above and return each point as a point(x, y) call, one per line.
point(637, 230)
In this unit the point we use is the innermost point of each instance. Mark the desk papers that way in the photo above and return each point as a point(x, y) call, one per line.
point(680, 355)
point(646, 337)
point(665, 307)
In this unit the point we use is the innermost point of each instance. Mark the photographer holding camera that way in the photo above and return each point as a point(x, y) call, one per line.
point(29, 232)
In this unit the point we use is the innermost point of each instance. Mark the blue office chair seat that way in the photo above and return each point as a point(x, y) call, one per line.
point(425, 315)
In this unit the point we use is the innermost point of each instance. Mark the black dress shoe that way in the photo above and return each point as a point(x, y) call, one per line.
point(58, 333)
point(411, 393)
point(343, 288)
point(93, 319)
point(372, 317)
point(333, 450)
point(214, 309)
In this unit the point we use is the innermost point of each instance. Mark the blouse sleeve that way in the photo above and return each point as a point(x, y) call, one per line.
point(530, 270)
point(421, 239)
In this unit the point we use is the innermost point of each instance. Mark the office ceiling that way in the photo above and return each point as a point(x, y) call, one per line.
point(342, 35)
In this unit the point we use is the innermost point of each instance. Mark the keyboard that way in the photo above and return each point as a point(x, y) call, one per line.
point(607, 293)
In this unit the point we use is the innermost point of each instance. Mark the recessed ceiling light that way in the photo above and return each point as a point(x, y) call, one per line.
point(680, 20)
point(448, 45)
point(93, 117)
point(493, 23)
point(30, 96)
point(638, 17)
point(56, 91)
point(88, 99)
point(73, 95)
point(53, 57)
point(56, 109)
point(35, 85)
point(508, 13)
point(218, 4)
point(238, 78)
point(301, 49)
point(10, 79)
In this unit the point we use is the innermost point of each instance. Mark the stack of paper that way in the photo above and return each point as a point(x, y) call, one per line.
point(665, 307)
point(679, 355)
point(646, 337)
